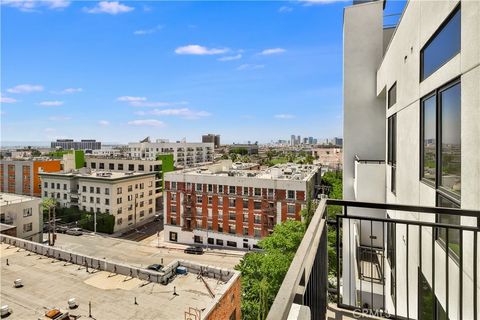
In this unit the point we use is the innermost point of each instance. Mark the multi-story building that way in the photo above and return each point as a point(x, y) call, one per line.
point(84, 144)
point(185, 154)
point(125, 164)
point(129, 196)
point(24, 213)
point(225, 205)
point(328, 157)
point(209, 138)
point(412, 137)
point(249, 148)
point(21, 176)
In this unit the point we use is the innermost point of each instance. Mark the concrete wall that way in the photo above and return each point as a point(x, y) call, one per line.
point(15, 212)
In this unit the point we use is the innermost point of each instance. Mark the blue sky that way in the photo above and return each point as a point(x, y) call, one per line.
point(120, 71)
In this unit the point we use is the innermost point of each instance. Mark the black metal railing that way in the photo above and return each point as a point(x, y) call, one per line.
point(385, 256)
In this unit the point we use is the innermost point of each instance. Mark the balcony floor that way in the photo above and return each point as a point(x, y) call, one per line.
point(335, 313)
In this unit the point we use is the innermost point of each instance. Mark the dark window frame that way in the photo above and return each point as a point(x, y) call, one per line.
point(392, 150)
point(433, 37)
point(438, 139)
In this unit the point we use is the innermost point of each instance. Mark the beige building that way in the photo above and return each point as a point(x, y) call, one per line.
point(24, 213)
point(130, 197)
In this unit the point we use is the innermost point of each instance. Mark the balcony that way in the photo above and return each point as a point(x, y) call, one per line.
point(385, 265)
point(369, 183)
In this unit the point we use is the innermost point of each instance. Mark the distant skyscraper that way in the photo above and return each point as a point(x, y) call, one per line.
point(292, 140)
point(299, 139)
point(208, 138)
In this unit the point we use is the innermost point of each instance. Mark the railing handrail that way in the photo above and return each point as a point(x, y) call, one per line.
point(377, 161)
point(286, 294)
point(404, 207)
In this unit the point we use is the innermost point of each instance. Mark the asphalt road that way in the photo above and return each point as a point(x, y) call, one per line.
point(143, 232)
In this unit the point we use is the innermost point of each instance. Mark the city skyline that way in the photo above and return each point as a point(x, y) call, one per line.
point(120, 71)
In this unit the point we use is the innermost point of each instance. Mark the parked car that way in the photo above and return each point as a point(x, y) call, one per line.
point(61, 229)
point(74, 231)
point(155, 267)
point(194, 250)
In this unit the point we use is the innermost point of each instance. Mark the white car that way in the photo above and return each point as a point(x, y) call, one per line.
point(74, 231)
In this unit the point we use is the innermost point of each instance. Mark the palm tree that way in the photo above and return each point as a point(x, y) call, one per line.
point(50, 204)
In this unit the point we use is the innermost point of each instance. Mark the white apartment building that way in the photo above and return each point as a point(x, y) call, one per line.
point(412, 137)
point(185, 154)
point(230, 205)
point(130, 197)
point(24, 213)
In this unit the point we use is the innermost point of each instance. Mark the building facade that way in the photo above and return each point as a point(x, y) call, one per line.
point(412, 137)
point(185, 154)
point(223, 206)
point(24, 213)
point(209, 138)
point(21, 176)
point(130, 197)
point(85, 144)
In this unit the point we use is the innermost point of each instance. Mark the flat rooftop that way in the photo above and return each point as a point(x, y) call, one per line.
point(97, 174)
point(286, 171)
point(50, 283)
point(11, 198)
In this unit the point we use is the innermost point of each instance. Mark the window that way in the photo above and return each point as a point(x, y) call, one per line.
point(443, 46)
point(58, 186)
point(92, 189)
point(291, 209)
point(142, 213)
point(199, 199)
point(257, 233)
point(231, 189)
point(392, 150)
point(45, 194)
point(210, 200)
point(173, 236)
point(27, 227)
point(84, 199)
point(441, 137)
point(107, 191)
point(210, 188)
point(220, 189)
point(391, 257)
point(210, 241)
point(130, 188)
point(130, 217)
point(120, 166)
point(119, 210)
point(131, 167)
point(119, 221)
point(101, 165)
point(258, 191)
point(45, 184)
point(219, 242)
point(231, 202)
point(64, 186)
point(245, 191)
point(291, 194)
point(392, 95)
point(52, 185)
point(453, 234)
point(231, 244)
point(27, 212)
point(245, 231)
point(93, 165)
point(98, 200)
point(84, 188)
point(199, 187)
point(119, 200)
point(111, 166)
point(64, 196)
point(141, 167)
point(257, 205)
point(197, 239)
point(245, 204)
point(107, 202)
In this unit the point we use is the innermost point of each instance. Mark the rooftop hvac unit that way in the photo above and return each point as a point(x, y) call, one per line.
point(5, 310)
point(231, 173)
point(18, 283)
point(72, 303)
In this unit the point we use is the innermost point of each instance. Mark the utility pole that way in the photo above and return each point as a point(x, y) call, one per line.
point(54, 225)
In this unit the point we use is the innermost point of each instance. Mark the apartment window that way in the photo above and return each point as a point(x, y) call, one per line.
point(231, 202)
point(107, 191)
point(199, 187)
point(98, 190)
point(257, 233)
point(197, 239)
point(84, 188)
point(245, 191)
point(93, 165)
point(245, 231)
point(443, 46)
point(199, 199)
point(150, 201)
point(131, 167)
point(64, 186)
point(258, 192)
point(210, 200)
point(120, 166)
point(210, 241)
point(392, 150)
point(119, 210)
point(27, 212)
point(58, 186)
point(150, 210)
point(245, 204)
point(392, 95)
point(232, 244)
point(257, 205)
point(291, 209)
point(130, 217)
point(453, 234)
point(119, 221)
point(111, 166)
point(64, 196)
point(130, 188)
point(84, 199)
point(141, 167)
point(91, 200)
point(27, 227)
point(101, 165)
point(92, 189)
point(231, 189)
point(45, 184)
point(142, 213)
point(119, 190)
point(220, 201)
point(270, 193)
point(291, 194)
point(107, 202)
point(219, 242)
point(98, 200)
point(45, 194)
point(220, 189)
point(441, 136)
point(52, 185)
point(210, 188)
point(173, 236)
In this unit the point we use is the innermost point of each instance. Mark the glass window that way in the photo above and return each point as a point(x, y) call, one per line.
point(450, 137)
point(453, 234)
point(392, 95)
point(429, 138)
point(392, 140)
point(442, 47)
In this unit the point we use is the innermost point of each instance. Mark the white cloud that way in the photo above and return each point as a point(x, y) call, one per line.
point(7, 100)
point(51, 103)
point(104, 123)
point(71, 90)
point(250, 67)
point(34, 5)
point(26, 88)
point(285, 9)
point(110, 7)
point(142, 102)
point(147, 122)
point(147, 31)
point(230, 58)
point(284, 116)
point(199, 50)
point(59, 118)
point(131, 99)
point(271, 51)
point(177, 112)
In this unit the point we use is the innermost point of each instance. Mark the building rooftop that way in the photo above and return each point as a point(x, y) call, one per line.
point(49, 283)
point(11, 198)
point(97, 174)
point(286, 171)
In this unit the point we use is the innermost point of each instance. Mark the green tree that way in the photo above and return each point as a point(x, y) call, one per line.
point(263, 272)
